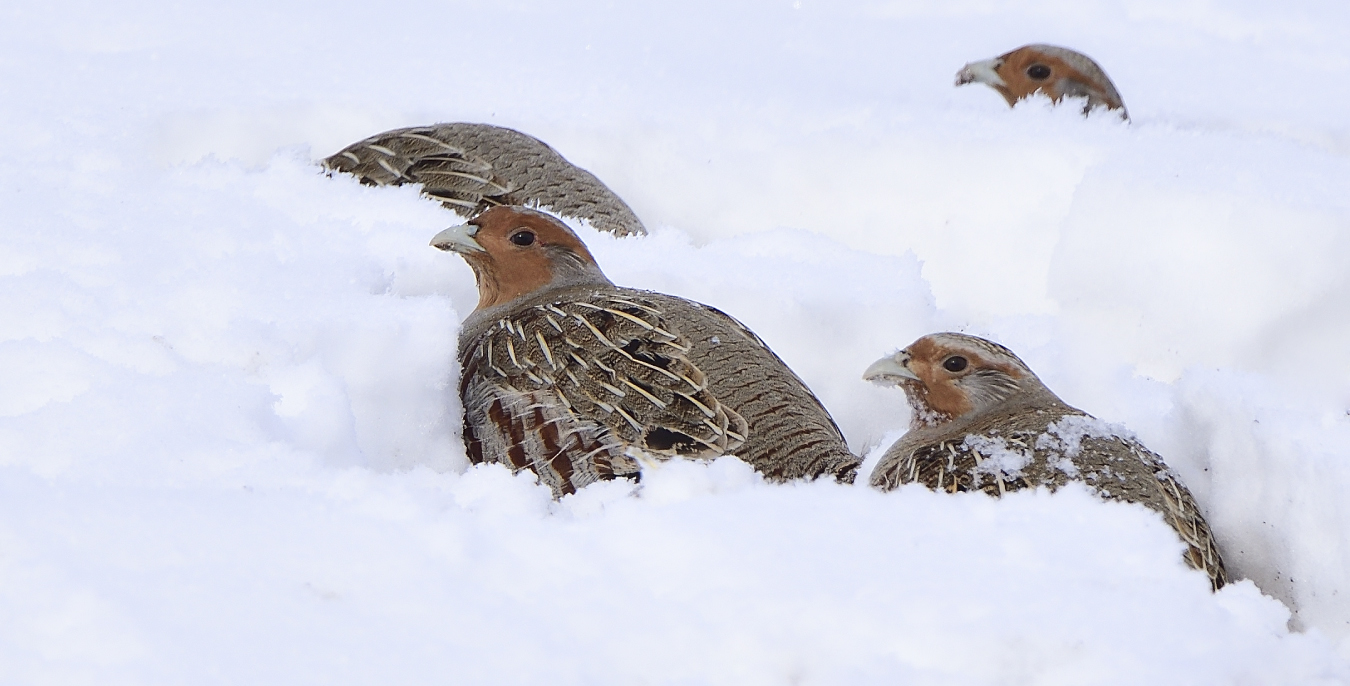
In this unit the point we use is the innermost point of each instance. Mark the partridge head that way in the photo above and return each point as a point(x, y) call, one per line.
point(579, 380)
point(948, 376)
point(516, 251)
point(1056, 72)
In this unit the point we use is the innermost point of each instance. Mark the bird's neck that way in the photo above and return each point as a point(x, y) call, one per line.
point(562, 269)
point(493, 305)
point(1035, 397)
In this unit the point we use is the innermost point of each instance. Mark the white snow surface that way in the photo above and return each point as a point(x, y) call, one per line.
point(229, 425)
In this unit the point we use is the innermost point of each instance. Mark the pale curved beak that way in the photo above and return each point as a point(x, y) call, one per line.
point(890, 370)
point(984, 71)
point(459, 239)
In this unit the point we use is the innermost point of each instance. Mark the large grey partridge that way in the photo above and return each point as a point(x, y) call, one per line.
point(579, 380)
point(471, 167)
point(984, 422)
point(1054, 71)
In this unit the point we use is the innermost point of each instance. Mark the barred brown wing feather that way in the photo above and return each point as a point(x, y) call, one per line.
point(793, 436)
point(447, 172)
point(1183, 514)
point(609, 376)
point(471, 167)
point(533, 430)
point(950, 466)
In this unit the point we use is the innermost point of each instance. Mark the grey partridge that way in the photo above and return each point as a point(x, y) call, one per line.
point(1054, 71)
point(579, 380)
point(471, 167)
point(984, 422)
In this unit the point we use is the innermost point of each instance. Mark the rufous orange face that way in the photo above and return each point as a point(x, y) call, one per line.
point(1028, 70)
point(1053, 71)
point(945, 365)
point(519, 252)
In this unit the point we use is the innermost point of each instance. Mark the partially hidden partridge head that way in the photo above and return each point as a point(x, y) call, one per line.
point(579, 380)
point(1053, 71)
point(982, 421)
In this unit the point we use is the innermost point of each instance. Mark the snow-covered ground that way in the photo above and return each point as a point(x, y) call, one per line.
point(229, 435)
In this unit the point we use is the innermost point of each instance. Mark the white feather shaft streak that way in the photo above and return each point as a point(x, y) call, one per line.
point(543, 345)
point(389, 168)
point(655, 400)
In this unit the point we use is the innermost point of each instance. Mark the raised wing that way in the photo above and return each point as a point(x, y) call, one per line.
point(471, 167)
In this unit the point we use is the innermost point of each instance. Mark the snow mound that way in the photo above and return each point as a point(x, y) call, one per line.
point(229, 425)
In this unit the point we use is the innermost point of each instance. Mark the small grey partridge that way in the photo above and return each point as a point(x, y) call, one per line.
point(984, 422)
point(1054, 71)
point(471, 167)
point(579, 380)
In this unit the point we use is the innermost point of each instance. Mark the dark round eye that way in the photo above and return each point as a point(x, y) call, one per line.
point(523, 238)
point(1040, 72)
point(955, 363)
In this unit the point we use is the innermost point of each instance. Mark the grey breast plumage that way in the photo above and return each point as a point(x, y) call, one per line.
point(585, 383)
point(1040, 441)
point(472, 167)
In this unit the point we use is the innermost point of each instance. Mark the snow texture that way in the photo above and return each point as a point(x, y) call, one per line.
point(229, 430)
point(996, 459)
point(1063, 439)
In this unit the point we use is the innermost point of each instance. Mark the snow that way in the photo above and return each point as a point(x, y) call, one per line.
point(229, 430)
point(996, 459)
